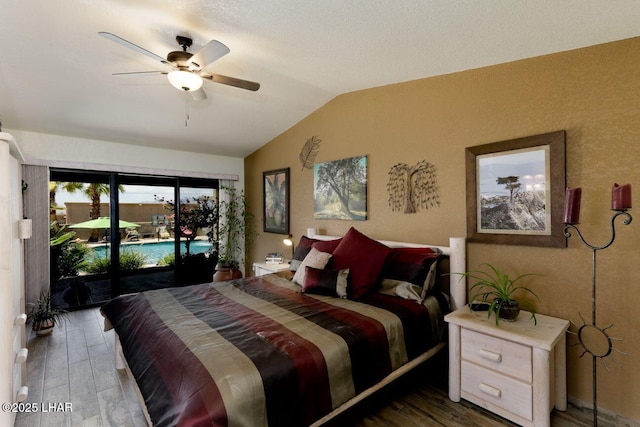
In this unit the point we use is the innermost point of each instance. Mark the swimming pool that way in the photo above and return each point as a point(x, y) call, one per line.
point(155, 251)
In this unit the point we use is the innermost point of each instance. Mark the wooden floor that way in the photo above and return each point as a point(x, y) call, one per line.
point(75, 365)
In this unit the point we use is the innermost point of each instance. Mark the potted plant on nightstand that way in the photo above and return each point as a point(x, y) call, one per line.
point(497, 289)
point(43, 316)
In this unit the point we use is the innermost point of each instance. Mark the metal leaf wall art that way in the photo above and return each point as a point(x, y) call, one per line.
point(309, 152)
point(413, 186)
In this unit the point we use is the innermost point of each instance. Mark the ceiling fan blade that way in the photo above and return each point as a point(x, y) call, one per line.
point(139, 72)
point(212, 51)
point(232, 81)
point(132, 46)
point(198, 95)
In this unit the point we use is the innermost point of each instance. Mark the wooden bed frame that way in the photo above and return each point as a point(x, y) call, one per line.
point(456, 252)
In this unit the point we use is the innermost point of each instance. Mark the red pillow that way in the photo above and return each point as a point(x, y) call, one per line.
point(411, 265)
point(327, 246)
point(365, 259)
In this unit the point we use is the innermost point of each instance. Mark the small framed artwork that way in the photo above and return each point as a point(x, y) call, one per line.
point(275, 192)
point(515, 191)
point(340, 189)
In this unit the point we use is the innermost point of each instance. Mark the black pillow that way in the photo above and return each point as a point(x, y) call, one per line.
point(326, 282)
point(301, 251)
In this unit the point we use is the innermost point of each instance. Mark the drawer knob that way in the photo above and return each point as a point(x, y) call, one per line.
point(22, 394)
point(492, 391)
point(22, 355)
point(21, 319)
point(490, 355)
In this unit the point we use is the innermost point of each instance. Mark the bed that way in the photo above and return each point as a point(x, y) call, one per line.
point(267, 351)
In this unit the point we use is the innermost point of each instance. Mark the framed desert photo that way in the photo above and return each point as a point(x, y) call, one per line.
point(515, 191)
point(275, 192)
point(340, 189)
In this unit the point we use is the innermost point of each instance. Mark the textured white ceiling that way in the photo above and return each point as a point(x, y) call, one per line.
point(55, 71)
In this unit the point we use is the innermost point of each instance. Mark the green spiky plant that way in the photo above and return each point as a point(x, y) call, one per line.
point(494, 283)
point(43, 315)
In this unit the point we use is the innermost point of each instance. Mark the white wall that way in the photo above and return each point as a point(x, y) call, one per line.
point(11, 278)
point(56, 150)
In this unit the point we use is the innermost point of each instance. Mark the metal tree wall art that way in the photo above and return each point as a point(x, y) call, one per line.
point(309, 152)
point(413, 186)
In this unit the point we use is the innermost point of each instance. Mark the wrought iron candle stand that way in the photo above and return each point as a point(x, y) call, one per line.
point(586, 329)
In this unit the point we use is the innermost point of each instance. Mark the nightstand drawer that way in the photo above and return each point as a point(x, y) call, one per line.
point(506, 357)
point(481, 385)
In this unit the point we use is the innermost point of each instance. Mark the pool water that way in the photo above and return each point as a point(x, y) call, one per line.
point(155, 251)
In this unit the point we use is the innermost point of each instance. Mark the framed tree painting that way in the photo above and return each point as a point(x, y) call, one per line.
point(515, 191)
point(340, 189)
point(275, 192)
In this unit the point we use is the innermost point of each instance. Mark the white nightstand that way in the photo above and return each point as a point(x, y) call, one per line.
point(516, 370)
point(262, 268)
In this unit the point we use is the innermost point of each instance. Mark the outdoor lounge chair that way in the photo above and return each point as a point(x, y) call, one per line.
point(163, 233)
point(132, 234)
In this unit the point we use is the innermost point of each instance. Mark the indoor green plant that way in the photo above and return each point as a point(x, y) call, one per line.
point(498, 290)
point(235, 233)
point(43, 315)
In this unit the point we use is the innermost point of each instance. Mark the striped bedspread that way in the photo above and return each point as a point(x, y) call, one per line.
point(256, 352)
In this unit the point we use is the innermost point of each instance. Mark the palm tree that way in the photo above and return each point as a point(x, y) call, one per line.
point(54, 187)
point(91, 190)
point(94, 190)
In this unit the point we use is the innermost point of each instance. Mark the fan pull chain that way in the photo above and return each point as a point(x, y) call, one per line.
point(186, 107)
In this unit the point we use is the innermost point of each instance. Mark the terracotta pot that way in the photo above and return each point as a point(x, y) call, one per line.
point(224, 273)
point(509, 310)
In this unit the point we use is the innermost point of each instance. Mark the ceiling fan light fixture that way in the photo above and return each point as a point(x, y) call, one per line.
point(185, 80)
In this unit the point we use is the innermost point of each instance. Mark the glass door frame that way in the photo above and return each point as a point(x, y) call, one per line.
point(115, 179)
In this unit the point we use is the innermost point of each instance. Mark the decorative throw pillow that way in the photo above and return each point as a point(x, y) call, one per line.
point(315, 259)
point(302, 250)
point(413, 265)
point(326, 245)
point(398, 288)
point(364, 257)
point(326, 282)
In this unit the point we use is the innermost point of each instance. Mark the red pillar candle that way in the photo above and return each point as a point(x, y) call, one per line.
point(621, 197)
point(572, 205)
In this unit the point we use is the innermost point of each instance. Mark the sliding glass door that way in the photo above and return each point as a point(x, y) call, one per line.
point(146, 249)
point(151, 232)
point(79, 238)
point(198, 231)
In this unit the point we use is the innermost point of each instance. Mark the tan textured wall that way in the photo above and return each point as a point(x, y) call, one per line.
point(592, 93)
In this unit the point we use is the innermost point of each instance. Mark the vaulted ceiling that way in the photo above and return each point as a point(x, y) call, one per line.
point(56, 71)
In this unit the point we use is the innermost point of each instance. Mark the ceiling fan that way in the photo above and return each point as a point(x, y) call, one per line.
point(187, 69)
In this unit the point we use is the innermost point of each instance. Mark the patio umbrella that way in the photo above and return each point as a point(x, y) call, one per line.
point(103, 222)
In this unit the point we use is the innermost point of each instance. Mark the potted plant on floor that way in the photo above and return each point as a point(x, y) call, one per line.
point(235, 233)
point(498, 290)
point(43, 316)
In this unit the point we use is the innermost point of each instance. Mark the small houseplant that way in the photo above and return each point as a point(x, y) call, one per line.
point(498, 290)
point(43, 315)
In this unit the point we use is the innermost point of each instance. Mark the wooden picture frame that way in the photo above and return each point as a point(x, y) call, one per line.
point(502, 209)
point(275, 201)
